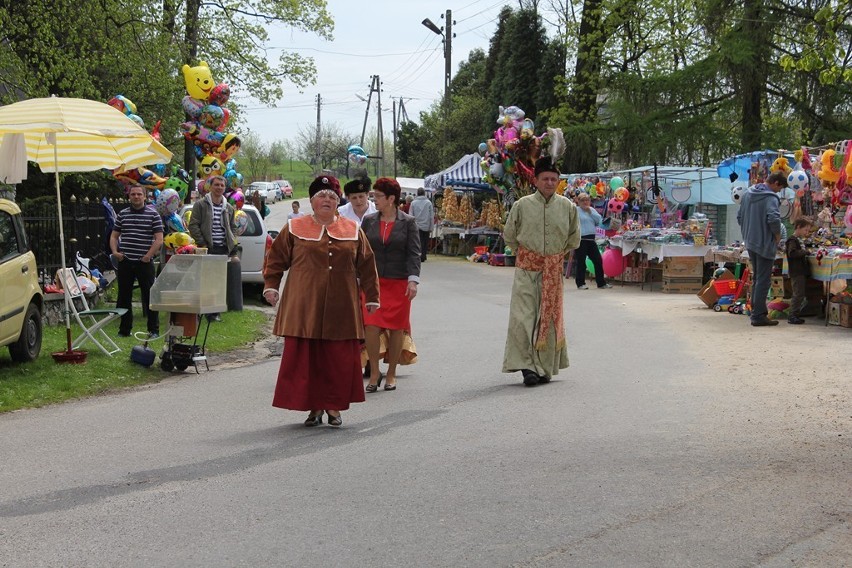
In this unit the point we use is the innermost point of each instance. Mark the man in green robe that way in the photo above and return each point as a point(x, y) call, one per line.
point(542, 228)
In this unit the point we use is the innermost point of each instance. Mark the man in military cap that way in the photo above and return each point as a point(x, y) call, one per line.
point(542, 228)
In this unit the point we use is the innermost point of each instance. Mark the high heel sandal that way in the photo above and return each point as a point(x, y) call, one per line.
point(335, 420)
point(315, 419)
point(390, 387)
point(375, 387)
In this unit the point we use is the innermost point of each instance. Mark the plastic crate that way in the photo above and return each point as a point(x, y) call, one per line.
point(191, 283)
point(724, 287)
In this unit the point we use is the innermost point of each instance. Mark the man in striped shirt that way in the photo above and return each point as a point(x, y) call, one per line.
point(135, 239)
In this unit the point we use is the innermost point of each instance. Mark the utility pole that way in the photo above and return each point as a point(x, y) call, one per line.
point(394, 138)
point(447, 34)
point(380, 145)
point(319, 135)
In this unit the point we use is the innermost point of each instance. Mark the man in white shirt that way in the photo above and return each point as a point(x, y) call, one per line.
point(424, 214)
point(359, 205)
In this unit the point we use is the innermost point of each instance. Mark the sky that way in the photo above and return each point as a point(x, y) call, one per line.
point(372, 37)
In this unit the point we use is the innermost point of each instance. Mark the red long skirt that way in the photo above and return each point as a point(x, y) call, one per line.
point(395, 310)
point(319, 374)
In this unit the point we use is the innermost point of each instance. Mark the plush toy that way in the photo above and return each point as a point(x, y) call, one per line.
point(827, 172)
point(198, 80)
point(824, 218)
point(781, 165)
point(778, 309)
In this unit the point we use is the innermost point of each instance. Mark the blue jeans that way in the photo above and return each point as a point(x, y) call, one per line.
point(762, 277)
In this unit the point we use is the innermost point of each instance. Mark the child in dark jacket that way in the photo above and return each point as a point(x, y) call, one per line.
point(798, 267)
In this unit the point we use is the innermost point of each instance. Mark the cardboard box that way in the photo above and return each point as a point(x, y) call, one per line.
point(834, 313)
point(845, 315)
point(780, 287)
point(709, 295)
point(683, 266)
point(691, 285)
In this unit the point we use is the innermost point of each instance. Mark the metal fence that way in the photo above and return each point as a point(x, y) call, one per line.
point(85, 225)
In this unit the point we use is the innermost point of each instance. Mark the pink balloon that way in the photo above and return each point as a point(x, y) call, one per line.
point(613, 262)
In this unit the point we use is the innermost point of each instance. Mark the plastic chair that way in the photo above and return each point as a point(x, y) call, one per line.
point(98, 318)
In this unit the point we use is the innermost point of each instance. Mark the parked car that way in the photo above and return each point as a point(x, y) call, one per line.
point(268, 191)
point(255, 243)
point(286, 188)
point(21, 299)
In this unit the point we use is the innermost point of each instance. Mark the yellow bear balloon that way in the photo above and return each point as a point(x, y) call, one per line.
point(210, 166)
point(177, 240)
point(199, 81)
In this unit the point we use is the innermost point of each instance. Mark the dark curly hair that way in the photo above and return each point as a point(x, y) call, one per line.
point(388, 186)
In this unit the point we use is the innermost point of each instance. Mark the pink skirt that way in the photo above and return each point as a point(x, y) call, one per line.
point(395, 312)
point(319, 374)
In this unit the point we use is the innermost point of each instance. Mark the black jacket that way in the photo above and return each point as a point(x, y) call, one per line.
point(797, 258)
point(400, 257)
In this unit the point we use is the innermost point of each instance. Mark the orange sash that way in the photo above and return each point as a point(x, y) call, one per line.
point(550, 309)
point(306, 228)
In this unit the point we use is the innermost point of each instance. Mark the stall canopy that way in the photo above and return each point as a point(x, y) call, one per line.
point(741, 164)
point(466, 170)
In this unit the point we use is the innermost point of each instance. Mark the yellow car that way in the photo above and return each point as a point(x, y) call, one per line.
point(21, 299)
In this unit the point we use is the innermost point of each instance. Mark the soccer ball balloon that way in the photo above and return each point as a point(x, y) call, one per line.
point(737, 192)
point(797, 180)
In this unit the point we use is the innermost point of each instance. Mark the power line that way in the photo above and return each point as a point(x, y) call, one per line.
point(481, 12)
point(428, 50)
point(469, 5)
point(359, 55)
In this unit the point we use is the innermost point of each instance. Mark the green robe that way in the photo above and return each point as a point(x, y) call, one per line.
point(546, 227)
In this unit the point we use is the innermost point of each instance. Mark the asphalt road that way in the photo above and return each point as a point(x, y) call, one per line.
point(678, 437)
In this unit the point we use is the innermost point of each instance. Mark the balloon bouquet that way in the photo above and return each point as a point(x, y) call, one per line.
point(168, 192)
point(508, 158)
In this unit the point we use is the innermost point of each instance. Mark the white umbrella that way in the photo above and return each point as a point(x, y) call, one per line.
point(74, 135)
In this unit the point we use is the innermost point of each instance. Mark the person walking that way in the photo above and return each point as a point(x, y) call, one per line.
point(330, 263)
point(395, 241)
point(760, 220)
point(358, 204)
point(295, 214)
point(212, 225)
point(424, 215)
point(590, 220)
point(136, 237)
point(542, 228)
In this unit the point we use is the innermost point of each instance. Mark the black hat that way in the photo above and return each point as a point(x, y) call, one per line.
point(324, 182)
point(545, 165)
point(357, 185)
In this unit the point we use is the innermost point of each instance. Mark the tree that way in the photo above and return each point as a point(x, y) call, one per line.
point(333, 143)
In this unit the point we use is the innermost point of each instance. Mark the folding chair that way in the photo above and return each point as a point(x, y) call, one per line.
point(98, 318)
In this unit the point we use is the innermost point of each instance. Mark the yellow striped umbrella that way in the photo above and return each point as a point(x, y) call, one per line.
point(89, 135)
point(75, 135)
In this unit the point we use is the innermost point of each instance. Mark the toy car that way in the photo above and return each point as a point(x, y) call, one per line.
point(724, 302)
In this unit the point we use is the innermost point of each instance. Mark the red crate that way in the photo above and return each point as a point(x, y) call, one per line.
point(724, 287)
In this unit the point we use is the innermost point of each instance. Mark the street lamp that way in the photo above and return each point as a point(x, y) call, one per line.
point(448, 51)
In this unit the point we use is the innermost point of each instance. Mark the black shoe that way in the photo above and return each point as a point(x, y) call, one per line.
point(315, 419)
point(335, 420)
point(795, 320)
point(764, 322)
point(530, 378)
point(543, 380)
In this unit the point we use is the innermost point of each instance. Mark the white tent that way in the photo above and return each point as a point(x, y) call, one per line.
point(410, 185)
point(466, 170)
